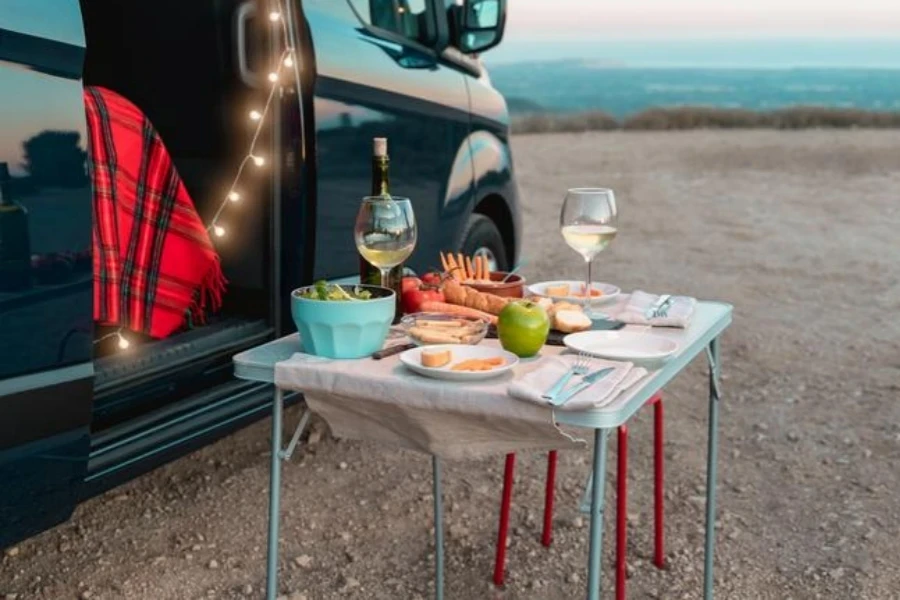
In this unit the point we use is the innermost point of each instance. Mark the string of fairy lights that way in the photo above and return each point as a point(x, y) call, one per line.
point(287, 60)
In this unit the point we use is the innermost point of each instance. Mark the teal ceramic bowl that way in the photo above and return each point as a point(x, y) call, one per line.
point(344, 329)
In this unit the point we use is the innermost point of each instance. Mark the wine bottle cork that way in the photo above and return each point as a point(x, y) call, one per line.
point(379, 146)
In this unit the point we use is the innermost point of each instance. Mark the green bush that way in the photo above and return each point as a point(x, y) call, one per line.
point(700, 117)
point(594, 120)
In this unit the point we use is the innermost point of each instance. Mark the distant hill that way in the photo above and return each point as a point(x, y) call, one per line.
point(579, 85)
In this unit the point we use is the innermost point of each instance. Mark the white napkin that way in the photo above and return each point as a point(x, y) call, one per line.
point(679, 312)
point(531, 386)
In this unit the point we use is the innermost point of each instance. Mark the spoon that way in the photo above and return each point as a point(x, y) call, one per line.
point(521, 264)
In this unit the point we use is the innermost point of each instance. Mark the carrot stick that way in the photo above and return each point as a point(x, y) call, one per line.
point(454, 268)
point(453, 309)
point(470, 269)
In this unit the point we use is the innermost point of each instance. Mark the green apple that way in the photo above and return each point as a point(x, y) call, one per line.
point(523, 327)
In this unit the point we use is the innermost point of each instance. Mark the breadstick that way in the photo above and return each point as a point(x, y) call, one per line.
point(477, 263)
point(433, 324)
point(470, 268)
point(462, 264)
point(434, 336)
point(444, 263)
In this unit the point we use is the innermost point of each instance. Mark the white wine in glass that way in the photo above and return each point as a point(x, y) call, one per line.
point(385, 232)
point(588, 221)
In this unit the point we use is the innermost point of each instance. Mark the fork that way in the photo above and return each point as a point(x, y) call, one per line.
point(580, 368)
point(663, 309)
point(653, 311)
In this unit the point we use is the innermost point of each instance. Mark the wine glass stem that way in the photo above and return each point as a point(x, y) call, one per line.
point(587, 288)
point(385, 273)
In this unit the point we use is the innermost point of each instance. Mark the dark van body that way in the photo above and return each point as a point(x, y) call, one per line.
point(78, 417)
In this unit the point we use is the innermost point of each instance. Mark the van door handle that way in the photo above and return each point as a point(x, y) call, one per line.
point(242, 17)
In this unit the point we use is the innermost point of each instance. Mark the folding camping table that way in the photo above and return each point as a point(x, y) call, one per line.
point(709, 321)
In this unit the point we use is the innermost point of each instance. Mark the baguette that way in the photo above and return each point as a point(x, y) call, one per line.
point(462, 295)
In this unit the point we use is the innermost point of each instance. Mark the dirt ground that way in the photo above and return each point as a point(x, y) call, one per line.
point(798, 230)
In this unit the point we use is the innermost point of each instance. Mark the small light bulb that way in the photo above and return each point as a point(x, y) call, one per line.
point(273, 76)
point(123, 343)
point(274, 16)
point(288, 61)
point(218, 230)
point(258, 160)
point(234, 196)
point(255, 115)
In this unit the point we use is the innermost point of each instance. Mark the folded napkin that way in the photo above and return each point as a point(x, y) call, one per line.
point(678, 314)
point(531, 386)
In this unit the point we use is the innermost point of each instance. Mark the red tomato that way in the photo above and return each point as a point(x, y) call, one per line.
point(432, 278)
point(411, 300)
point(409, 283)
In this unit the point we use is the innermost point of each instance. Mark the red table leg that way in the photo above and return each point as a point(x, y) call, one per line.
point(621, 511)
point(500, 558)
point(547, 534)
point(659, 557)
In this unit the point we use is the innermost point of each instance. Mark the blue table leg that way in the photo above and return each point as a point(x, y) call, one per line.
point(711, 459)
point(274, 497)
point(438, 529)
point(597, 497)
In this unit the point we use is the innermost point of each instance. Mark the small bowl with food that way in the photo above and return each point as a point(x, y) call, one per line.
point(514, 287)
point(427, 328)
point(342, 321)
point(475, 272)
point(574, 291)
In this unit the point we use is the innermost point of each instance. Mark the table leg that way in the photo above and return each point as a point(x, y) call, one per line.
point(438, 530)
point(597, 493)
point(712, 354)
point(274, 497)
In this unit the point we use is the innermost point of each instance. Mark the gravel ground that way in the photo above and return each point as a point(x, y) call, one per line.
point(794, 229)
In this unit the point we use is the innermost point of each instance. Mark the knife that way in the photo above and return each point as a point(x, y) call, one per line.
point(654, 308)
point(392, 351)
point(585, 383)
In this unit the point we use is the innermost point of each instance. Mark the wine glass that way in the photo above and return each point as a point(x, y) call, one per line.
point(588, 224)
point(385, 232)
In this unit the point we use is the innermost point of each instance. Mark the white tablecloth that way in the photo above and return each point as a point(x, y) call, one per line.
point(383, 401)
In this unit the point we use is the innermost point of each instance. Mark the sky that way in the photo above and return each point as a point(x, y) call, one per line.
point(863, 33)
point(686, 18)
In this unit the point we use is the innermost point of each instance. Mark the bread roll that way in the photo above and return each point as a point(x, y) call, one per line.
point(558, 291)
point(570, 321)
point(436, 358)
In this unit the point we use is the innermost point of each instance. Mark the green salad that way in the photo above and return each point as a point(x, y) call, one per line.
point(322, 290)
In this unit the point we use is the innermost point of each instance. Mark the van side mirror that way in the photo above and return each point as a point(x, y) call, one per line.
point(481, 24)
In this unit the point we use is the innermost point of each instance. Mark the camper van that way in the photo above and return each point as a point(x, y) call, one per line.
point(78, 414)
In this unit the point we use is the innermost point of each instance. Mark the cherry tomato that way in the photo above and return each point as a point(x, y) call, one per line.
point(409, 283)
point(432, 278)
point(411, 300)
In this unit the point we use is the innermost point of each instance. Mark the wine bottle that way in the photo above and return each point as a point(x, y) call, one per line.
point(369, 273)
point(15, 243)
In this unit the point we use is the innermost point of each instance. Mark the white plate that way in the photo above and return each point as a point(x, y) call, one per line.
point(413, 360)
point(635, 346)
point(609, 291)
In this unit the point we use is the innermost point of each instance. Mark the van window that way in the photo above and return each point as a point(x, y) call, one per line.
point(410, 18)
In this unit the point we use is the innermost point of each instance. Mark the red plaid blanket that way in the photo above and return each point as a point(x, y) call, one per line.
point(155, 267)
